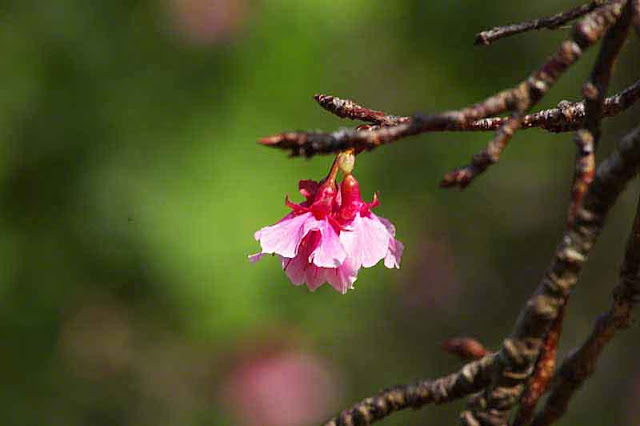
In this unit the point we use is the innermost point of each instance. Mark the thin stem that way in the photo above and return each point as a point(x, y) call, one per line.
point(551, 22)
point(481, 161)
point(333, 171)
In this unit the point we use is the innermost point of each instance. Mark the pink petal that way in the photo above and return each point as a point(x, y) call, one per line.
point(392, 259)
point(387, 224)
point(295, 268)
point(284, 237)
point(329, 253)
point(300, 270)
point(342, 277)
point(367, 242)
point(315, 277)
point(396, 248)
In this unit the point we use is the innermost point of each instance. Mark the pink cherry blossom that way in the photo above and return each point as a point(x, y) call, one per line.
point(330, 236)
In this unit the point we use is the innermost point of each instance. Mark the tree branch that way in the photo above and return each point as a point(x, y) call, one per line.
point(566, 117)
point(581, 364)
point(520, 351)
point(551, 22)
point(470, 379)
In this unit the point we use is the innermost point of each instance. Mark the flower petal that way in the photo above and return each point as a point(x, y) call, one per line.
point(367, 242)
point(284, 237)
point(342, 277)
point(315, 276)
point(392, 259)
point(387, 224)
point(295, 268)
point(329, 253)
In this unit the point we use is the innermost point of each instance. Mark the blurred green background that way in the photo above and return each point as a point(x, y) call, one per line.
point(131, 185)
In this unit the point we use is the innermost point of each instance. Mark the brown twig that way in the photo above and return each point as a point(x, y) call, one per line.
point(520, 351)
point(344, 108)
point(552, 22)
point(542, 374)
point(580, 365)
point(470, 379)
point(566, 117)
point(463, 176)
point(594, 92)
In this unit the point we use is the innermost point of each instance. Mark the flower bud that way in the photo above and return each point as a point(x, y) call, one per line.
point(346, 162)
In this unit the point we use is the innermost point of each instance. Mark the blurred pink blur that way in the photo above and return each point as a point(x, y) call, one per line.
point(284, 388)
point(204, 22)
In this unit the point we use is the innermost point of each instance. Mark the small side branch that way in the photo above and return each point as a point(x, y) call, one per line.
point(470, 379)
point(344, 108)
point(551, 23)
point(580, 365)
point(463, 176)
point(594, 92)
